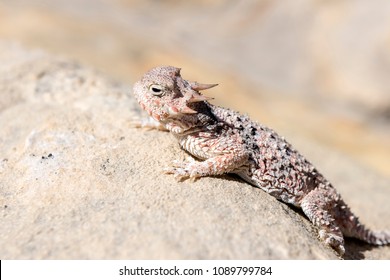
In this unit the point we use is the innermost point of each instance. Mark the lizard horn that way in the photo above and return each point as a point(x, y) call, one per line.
point(187, 110)
point(196, 97)
point(175, 110)
point(198, 86)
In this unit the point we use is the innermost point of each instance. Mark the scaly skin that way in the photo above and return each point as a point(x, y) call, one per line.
point(227, 142)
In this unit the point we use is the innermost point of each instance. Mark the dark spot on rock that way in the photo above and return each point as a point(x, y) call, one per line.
point(5, 206)
point(41, 74)
point(122, 138)
point(103, 165)
point(48, 156)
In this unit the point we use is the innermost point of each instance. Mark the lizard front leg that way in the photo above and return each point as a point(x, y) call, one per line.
point(222, 155)
point(217, 165)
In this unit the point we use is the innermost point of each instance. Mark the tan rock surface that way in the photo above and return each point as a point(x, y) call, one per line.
point(307, 67)
point(78, 182)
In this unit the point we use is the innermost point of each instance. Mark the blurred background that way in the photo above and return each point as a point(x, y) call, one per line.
point(311, 69)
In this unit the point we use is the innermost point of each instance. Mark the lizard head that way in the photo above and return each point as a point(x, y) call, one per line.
point(164, 94)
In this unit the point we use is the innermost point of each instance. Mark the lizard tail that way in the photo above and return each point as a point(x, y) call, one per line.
point(350, 226)
point(369, 236)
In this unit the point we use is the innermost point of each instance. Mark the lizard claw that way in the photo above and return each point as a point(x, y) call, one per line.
point(148, 123)
point(179, 174)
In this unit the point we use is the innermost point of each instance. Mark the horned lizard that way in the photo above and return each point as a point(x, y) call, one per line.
point(225, 141)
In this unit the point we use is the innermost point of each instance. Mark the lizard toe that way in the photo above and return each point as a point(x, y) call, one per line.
point(333, 240)
point(178, 173)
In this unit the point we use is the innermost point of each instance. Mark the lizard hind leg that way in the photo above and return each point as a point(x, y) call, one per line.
point(317, 206)
point(351, 227)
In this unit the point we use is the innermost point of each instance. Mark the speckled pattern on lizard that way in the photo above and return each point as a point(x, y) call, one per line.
point(224, 141)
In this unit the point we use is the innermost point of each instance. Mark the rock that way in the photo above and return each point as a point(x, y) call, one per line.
point(321, 63)
point(77, 181)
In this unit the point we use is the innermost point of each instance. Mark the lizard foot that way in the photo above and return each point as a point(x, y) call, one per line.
point(148, 123)
point(182, 170)
point(333, 240)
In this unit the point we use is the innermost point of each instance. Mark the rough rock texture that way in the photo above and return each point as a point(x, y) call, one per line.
point(78, 182)
point(324, 64)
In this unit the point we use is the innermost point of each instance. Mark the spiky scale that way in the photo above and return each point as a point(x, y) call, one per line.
point(228, 142)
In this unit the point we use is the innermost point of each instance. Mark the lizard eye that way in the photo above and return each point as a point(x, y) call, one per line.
point(156, 90)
